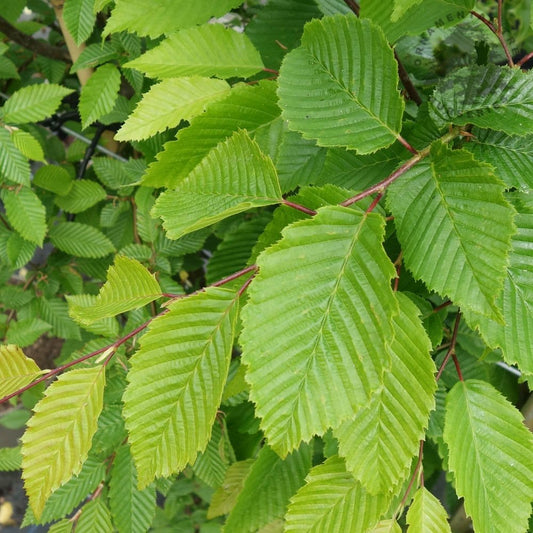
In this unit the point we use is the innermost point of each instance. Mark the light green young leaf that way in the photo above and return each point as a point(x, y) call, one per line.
point(80, 239)
point(16, 370)
point(26, 213)
point(169, 102)
point(13, 165)
point(490, 96)
point(247, 106)
point(82, 195)
point(34, 103)
point(332, 500)
point(515, 337)
point(225, 497)
point(322, 306)
point(132, 509)
point(79, 18)
point(426, 514)
point(267, 489)
point(380, 442)
point(28, 145)
point(145, 17)
point(53, 178)
point(129, 285)
point(10, 459)
point(95, 516)
point(490, 457)
point(401, 7)
point(63, 526)
point(208, 50)
point(63, 423)
point(455, 227)
point(99, 94)
point(234, 177)
point(176, 382)
point(386, 526)
point(346, 101)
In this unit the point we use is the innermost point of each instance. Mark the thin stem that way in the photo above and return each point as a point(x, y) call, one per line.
point(245, 285)
point(525, 59)
point(412, 481)
point(404, 143)
point(485, 21)
point(374, 203)
point(498, 31)
point(442, 306)
point(407, 83)
point(451, 350)
point(271, 70)
point(235, 275)
point(353, 6)
point(299, 207)
point(457, 367)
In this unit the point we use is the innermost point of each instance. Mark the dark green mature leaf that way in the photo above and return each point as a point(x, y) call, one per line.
point(27, 331)
point(321, 305)
point(455, 227)
point(176, 382)
point(234, 177)
point(79, 18)
point(10, 459)
point(332, 500)
point(64, 422)
point(330, 92)
point(13, 165)
point(490, 456)
point(82, 195)
point(33, 103)
point(53, 178)
point(500, 98)
point(247, 107)
point(267, 489)
point(80, 240)
point(94, 55)
point(146, 18)
point(379, 443)
point(208, 50)
point(95, 516)
point(168, 103)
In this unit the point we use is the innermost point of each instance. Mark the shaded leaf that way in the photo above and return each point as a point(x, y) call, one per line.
point(80, 240)
point(10, 459)
point(82, 195)
point(95, 516)
point(53, 178)
point(13, 165)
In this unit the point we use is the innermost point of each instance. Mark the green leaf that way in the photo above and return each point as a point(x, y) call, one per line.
point(132, 509)
point(26, 213)
point(512, 157)
point(455, 227)
point(208, 50)
point(168, 103)
point(234, 177)
point(247, 106)
point(82, 195)
point(8, 69)
point(401, 7)
point(386, 526)
point(27, 331)
point(225, 497)
point(55, 312)
point(176, 382)
point(16, 370)
point(342, 99)
point(129, 285)
point(63, 526)
point(10, 459)
point(79, 18)
point(80, 239)
point(267, 489)
point(63, 423)
point(99, 94)
point(95, 516)
point(28, 145)
point(426, 514)
point(322, 306)
point(332, 500)
point(54, 179)
point(490, 457)
point(34, 103)
point(13, 165)
point(515, 337)
point(94, 55)
point(379, 443)
point(146, 18)
point(491, 96)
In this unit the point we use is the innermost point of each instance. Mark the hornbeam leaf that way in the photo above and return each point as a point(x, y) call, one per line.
point(129, 285)
point(515, 337)
point(247, 107)
point(29, 146)
point(10, 459)
point(16, 370)
point(13, 165)
point(81, 240)
point(99, 95)
point(426, 514)
point(379, 443)
point(233, 178)
point(455, 227)
point(332, 500)
point(145, 17)
point(176, 382)
point(26, 213)
point(208, 50)
point(267, 489)
point(82, 195)
point(79, 18)
point(169, 102)
point(95, 516)
point(491, 96)
point(34, 103)
point(132, 509)
point(346, 101)
point(322, 306)
point(62, 427)
point(386, 526)
point(490, 456)
point(401, 7)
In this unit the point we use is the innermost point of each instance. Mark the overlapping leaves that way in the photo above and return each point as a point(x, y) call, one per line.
point(16, 370)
